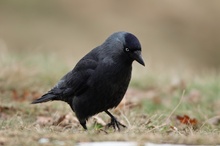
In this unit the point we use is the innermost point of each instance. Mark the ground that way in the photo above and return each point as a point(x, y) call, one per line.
point(158, 108)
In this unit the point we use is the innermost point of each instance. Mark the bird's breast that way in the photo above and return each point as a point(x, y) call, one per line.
point(111, 85)
point(107, 87)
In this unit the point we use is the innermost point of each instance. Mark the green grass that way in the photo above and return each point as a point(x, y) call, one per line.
point(155, 102)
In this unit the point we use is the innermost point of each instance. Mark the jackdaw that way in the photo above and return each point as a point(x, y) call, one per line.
point(100, 79)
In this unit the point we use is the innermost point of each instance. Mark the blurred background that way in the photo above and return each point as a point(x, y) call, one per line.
point(175, 35)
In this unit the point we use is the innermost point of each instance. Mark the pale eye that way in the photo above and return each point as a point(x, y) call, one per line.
point(127, 49)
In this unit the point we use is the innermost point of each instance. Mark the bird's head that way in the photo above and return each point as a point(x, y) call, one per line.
point(128, 44)
point(132, 48)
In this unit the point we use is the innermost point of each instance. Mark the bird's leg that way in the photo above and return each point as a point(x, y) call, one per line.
point(114, 122)
point(83, 123)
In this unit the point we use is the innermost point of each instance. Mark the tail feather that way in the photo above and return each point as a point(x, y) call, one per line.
point(45, 98)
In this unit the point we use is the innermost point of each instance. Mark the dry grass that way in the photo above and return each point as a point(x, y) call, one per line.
point(41, 41)
point(150, 109)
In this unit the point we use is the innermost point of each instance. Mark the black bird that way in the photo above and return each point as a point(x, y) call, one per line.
point(100, 79)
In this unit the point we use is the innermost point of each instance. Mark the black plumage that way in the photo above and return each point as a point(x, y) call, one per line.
point(100, 79)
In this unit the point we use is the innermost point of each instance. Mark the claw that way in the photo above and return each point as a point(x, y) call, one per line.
point(114, 122)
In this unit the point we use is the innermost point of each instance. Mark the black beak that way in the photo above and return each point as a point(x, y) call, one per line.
point(137, 56)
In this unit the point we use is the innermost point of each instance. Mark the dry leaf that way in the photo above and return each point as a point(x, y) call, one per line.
point(66, 120)
point(20, 97)
point(25, 95)
point(14, 95)
point(35, 95)
point(187, 120)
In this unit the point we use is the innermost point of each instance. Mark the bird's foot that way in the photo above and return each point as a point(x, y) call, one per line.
point(115, 124)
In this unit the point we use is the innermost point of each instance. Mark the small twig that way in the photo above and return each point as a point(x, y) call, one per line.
point(129, 124)
point(176, 106)
point(157, 127)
